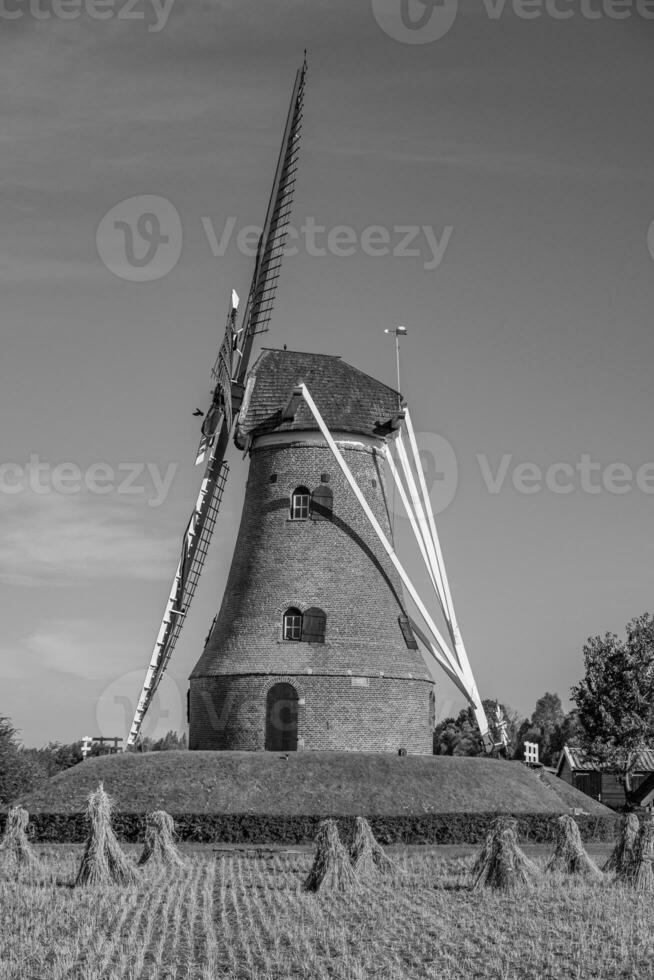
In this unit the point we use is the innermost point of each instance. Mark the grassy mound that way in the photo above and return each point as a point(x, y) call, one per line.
point(307, 783)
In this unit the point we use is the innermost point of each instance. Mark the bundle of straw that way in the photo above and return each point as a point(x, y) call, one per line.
point(15, 850)
point(159, 847)
point(569, 854)
point(643, 875)
point(368, 857)
point(622, 856)
point(501, 864)
point(331, 870)
point(103, 861)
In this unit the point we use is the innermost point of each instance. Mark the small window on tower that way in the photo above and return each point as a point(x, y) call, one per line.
point(314, 624)
point(293, 624)
point(322, 503)
point(300, 502)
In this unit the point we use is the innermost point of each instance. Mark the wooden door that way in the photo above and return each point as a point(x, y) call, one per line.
point(281, 718)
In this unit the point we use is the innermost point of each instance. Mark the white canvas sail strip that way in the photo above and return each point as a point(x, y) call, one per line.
point(453, 625)
point(428, 544)
point(457, 668)
point(412, 519)
point(453, 673)
point(388, 548)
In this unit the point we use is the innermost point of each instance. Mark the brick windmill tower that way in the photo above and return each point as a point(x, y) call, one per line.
point(312, 647)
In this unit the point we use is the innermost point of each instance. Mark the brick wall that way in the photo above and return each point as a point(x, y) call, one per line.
point(229, 712)
point(337, 565)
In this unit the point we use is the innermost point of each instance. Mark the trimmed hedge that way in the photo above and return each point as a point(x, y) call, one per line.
point(247, 828)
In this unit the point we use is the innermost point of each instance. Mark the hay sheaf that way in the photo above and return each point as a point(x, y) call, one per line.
point(622, 856)
point(569, 855)
point(16, 852)
point(501, 864)
point(159, 847)
point(368, 857)
point(331, 870)
point(643, 874)
point(103, 861)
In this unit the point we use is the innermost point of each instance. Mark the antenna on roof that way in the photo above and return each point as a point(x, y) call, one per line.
point(398, 332)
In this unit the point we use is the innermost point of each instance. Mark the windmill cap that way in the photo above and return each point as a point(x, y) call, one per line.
point(398, 331)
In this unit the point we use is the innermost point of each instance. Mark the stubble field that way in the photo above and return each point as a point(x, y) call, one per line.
point(238, 915)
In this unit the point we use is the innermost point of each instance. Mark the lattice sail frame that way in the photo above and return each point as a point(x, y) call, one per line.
point(229, 372)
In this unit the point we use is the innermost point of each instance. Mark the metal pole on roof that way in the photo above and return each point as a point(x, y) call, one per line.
point(397, 332)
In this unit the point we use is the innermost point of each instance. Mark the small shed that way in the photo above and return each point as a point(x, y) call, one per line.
point(604, 786)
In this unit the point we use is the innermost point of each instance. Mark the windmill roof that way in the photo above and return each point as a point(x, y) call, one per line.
point(578, 761)
point(348, 399)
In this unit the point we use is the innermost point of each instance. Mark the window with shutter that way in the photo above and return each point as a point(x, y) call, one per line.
point(292, 625)
point(322, 503)
point(407, 632)
point(314, 623)
point(300, 502)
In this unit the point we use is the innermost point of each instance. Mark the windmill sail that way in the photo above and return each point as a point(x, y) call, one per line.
point(221, 408)
point(228, 373)
point(270, 253)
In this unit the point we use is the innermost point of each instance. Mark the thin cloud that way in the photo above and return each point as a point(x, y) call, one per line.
point(58, 540)
point(499, 162)
point(49, 270)
point(76, 647)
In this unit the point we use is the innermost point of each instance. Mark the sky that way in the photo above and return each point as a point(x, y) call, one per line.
point(491, 166)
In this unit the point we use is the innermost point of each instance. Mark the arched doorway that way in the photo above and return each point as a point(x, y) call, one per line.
point(281, 718)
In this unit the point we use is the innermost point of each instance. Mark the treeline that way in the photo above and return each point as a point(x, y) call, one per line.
point(23, 769)
point(613, 718)
point(549, 726)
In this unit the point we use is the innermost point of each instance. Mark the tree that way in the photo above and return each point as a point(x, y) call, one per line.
point(567, 733)
point(546, 721)
point(18, 771)
point(171, 741)
point(615, 699)
point(55, 757)
point(460, 735)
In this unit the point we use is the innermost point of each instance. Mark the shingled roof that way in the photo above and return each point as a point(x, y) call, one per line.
point(348, 399)
point(578, 762)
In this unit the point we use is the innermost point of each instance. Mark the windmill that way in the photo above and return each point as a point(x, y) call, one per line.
point(229, 372)
point(269, 657)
